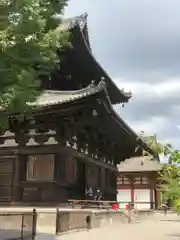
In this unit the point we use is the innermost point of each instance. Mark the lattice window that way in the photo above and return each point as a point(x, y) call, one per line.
point(144, 180)
point(40, 167)
point(141, 180)
point(126, 180)
point(137, 180)
point(123, 180)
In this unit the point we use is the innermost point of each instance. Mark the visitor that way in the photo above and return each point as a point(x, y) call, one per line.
point(98, 195)
point(115, 207)
point(89, 194)
point(165, 208)
point(130, 211)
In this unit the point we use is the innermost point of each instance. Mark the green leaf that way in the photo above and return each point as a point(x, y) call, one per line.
point(29, 41)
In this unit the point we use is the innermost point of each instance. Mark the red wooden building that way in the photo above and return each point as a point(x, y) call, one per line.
point(137, 183)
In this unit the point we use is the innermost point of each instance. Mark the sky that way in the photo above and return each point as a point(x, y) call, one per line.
point(138, 44)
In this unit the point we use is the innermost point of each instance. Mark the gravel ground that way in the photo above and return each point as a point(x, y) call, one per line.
point(159, 227)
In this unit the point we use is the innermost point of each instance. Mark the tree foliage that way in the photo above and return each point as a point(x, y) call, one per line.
point(29, 40)
point(170, 180)
point(156, 146)
point(170, 174)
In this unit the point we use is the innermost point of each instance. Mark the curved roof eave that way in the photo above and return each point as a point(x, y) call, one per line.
point(81, 23)
point(129, 130)
point(132, 133)
point(51, 98)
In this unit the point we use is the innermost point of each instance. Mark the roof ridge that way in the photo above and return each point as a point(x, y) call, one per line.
point(90, 88)
point(50, 97)
point(69, 23)
point(134, 165)
point(81, 22)
point(106, 76)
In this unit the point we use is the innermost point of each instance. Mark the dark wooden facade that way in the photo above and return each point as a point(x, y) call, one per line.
point(73, 139)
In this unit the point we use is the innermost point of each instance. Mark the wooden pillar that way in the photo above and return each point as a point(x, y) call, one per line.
point(114, 187)
point(103, 183)
point(158, 198)
point(132, 193)
point(107, 181)
point(131, 181)
point(155, 197)
point(16, 191)
point(151, 197)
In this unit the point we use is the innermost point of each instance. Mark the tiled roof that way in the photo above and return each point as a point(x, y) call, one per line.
point(50, 97)
point(70, 23)
point(81, 21)
point(139, 164)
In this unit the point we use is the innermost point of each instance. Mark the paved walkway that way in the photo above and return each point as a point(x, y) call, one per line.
point(159, 227)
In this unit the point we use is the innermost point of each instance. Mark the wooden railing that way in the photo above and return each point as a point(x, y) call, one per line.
point(68, 221)
point(91, 204)
point(77, 219)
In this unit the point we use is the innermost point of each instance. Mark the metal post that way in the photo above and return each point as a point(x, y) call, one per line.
point(22, 226)
point(34, 223)
point(88, 221)
point(57, 220)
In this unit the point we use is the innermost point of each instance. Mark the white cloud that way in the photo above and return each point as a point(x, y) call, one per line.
point(149, 89)
point(143, 52)
point(178, 126)
point(174, 141)
point(153, 126)
point(167, 87)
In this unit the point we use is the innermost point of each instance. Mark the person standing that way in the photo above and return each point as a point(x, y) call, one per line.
point(165, 208)
point(130, 211)
point(89, 194)
point(98, 195)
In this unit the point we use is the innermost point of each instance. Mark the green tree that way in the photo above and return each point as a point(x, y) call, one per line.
point(170, 174)
point(29, 39)
point(170, 180)
point(155, 145)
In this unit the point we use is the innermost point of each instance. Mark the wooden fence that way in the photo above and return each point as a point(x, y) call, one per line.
point(18, 225)
point(68, 221)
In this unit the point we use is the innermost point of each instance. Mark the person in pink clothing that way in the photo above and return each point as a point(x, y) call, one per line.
point(115, 207)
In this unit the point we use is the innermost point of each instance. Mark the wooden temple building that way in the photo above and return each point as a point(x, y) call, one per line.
point(138, 183)
point(74, 139)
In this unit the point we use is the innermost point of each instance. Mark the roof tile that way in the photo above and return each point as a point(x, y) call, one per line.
point(50, 97)
point(140, 164)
